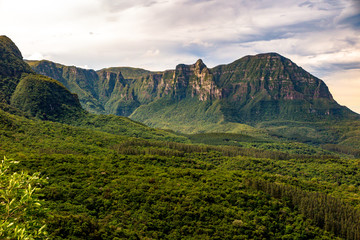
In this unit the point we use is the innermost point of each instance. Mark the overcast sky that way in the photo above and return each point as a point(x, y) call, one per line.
point(322, 36)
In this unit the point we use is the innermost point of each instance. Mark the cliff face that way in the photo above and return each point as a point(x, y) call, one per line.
point(203, 85)
point(194, 81)
point(107, 90)
point(251, 89)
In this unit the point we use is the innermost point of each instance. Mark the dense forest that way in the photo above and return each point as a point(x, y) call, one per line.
point(98, 185)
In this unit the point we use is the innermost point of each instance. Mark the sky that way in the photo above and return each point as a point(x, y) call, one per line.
point(321, 36)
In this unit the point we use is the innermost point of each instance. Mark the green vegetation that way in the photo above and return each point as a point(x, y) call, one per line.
point(44, 98)
point(168, 113)
point(123, 126)
point(107, 185)
point(21, 213)
point(108, 177)
point(339, 136)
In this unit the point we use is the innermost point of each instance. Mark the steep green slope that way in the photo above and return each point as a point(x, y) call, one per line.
point(176, 115)
point(33, 95)
point(124, 127)
point(45, 98)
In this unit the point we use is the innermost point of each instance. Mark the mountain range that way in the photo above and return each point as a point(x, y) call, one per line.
point(194, 98)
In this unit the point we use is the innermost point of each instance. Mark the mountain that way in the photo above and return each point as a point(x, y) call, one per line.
point(194, 98)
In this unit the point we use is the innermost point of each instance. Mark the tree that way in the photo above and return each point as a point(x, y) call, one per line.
point(21, 214)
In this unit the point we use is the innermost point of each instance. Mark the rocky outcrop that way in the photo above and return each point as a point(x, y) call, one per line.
point(204, 85)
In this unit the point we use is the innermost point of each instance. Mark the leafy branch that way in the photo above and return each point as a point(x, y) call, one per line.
point(21, 214)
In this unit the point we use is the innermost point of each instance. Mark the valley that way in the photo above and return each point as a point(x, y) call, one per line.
point(255, 149)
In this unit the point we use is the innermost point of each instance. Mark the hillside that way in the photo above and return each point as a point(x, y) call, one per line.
point(25, 93)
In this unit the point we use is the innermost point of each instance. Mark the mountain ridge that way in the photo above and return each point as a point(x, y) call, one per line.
point(252, 89)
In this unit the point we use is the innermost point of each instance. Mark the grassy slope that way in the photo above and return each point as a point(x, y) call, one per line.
point(187, 115)
point(125, 127)
point(207, 126)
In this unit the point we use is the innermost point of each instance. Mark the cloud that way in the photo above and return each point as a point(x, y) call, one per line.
point(35, 56)
point(197, 42)
point(152, 53)
point(353, 21)
point(122, 5)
